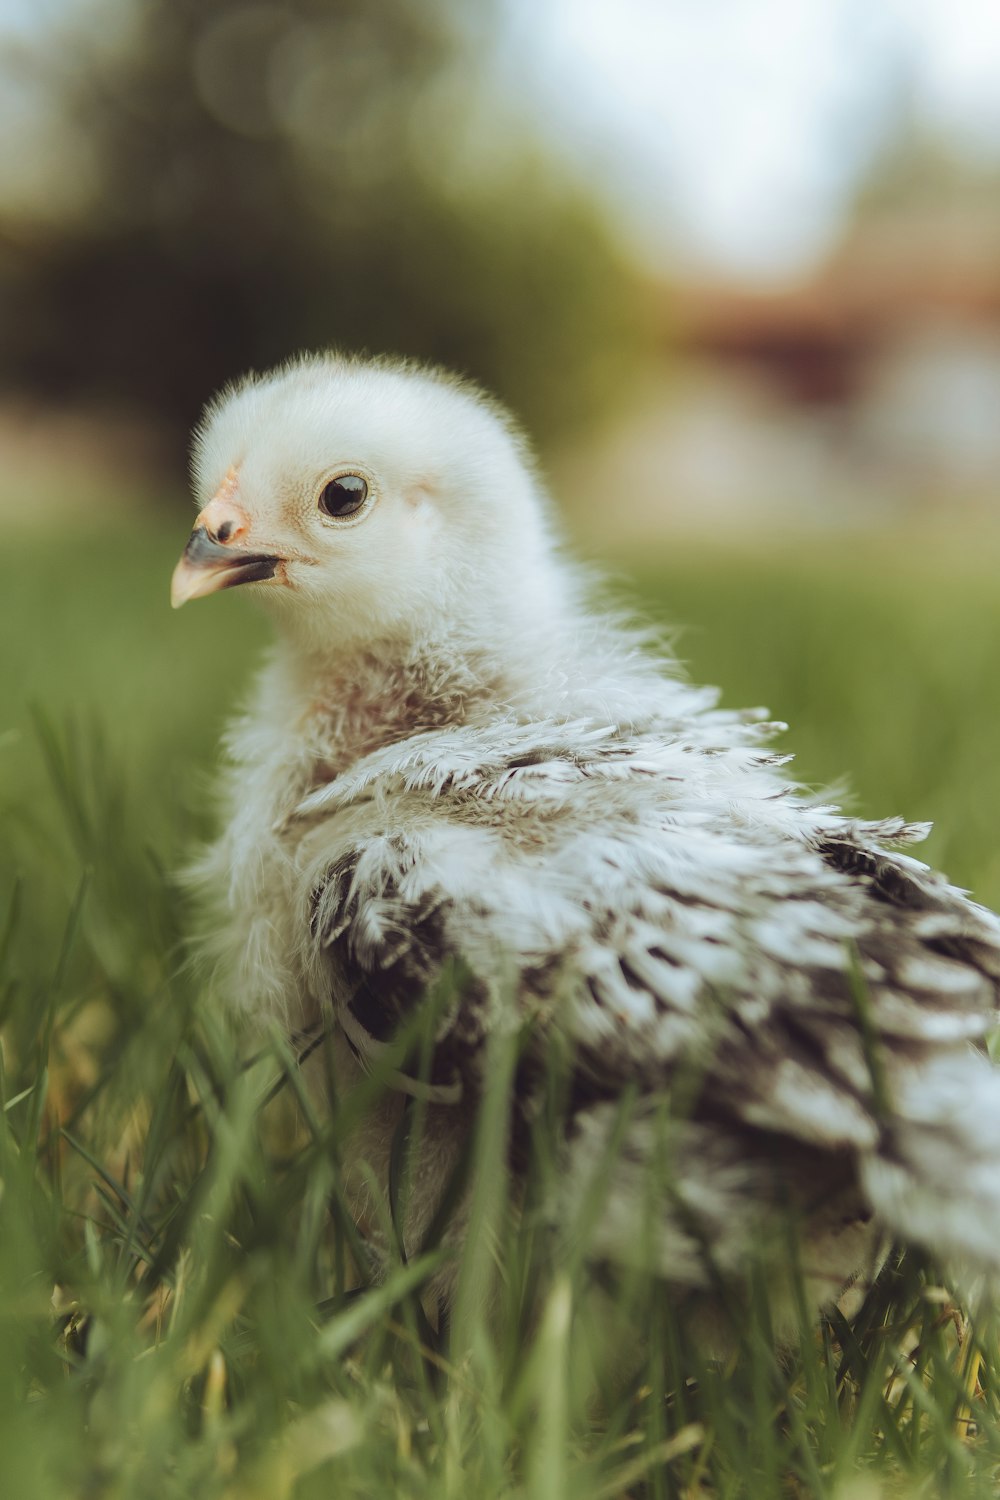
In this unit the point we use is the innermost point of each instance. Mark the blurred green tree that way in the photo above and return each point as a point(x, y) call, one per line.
point(266, 177)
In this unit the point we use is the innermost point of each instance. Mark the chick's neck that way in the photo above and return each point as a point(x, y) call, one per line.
point(391, 690)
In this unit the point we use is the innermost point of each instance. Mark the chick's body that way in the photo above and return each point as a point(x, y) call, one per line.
point(451, 762)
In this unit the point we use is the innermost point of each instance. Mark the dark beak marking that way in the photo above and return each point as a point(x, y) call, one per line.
point(204, 550)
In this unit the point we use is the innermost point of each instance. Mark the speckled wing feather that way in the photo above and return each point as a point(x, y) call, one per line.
point(671, 905)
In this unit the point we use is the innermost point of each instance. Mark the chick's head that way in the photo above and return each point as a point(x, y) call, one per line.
point(363, 498)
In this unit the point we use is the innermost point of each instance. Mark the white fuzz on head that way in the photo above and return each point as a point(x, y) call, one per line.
point(452, 532)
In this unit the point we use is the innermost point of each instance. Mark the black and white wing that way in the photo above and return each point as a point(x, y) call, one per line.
point(670, 905)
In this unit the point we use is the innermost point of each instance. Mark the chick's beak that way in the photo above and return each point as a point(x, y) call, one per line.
point(217, 556)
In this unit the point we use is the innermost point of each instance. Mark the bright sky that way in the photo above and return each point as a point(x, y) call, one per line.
point(731, 132)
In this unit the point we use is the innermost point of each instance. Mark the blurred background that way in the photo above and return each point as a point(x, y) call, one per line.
point(735, 264)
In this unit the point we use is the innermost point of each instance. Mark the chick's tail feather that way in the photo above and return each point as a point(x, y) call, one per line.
point(699, 1202)
point(934, 1178)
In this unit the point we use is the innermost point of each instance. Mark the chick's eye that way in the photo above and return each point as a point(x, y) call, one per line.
point(343, 495)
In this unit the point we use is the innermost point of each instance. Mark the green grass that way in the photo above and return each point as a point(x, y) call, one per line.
point(175, 1311)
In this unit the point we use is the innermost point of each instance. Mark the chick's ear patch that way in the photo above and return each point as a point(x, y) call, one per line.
point(420, 497)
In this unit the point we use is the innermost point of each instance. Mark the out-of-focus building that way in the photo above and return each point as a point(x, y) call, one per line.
point(867, 393)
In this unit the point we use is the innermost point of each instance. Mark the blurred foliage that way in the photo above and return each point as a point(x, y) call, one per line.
point(243, 180)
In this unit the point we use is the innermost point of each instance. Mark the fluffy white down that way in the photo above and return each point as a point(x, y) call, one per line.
point(452, 752)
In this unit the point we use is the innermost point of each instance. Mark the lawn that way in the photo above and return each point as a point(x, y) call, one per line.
point(176, 1315)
